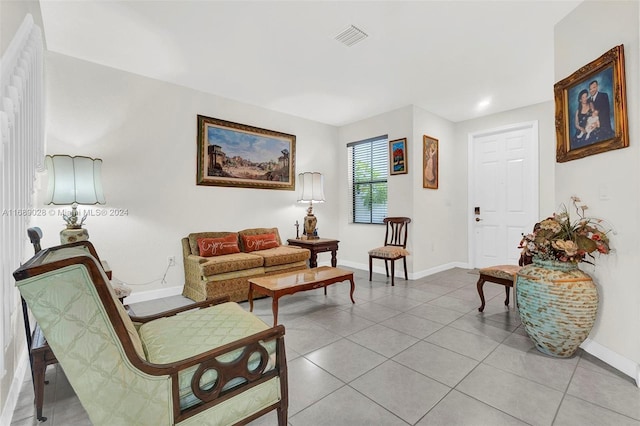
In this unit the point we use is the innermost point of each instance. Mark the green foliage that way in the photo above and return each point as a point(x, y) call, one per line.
point(366, 187)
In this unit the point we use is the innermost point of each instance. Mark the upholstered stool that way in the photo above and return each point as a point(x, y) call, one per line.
point(499, 274)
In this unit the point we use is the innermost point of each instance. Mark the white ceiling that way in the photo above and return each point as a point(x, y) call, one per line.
point(443, 56)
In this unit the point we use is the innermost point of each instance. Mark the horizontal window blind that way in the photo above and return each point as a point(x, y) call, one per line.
point(369, 165)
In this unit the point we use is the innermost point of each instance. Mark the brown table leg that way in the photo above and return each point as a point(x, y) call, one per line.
point(274, 308)
point(334, 258)
point(313, 260)
point(250, 297)
point(353, 287)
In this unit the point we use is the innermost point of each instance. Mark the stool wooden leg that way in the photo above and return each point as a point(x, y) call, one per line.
point(479, 285)
point(506, 289)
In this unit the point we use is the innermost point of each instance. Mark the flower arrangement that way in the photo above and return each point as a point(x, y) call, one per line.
point(558, 238)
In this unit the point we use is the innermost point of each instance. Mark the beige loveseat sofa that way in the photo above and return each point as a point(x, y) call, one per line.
point(218, 264)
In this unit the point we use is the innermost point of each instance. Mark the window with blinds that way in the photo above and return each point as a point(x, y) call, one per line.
point(368, 171)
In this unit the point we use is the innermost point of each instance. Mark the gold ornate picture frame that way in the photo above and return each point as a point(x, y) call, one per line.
point(591, 112)
point(430, 154)
point(233, 154)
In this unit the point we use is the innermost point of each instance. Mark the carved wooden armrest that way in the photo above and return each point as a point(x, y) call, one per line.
point(239, 367)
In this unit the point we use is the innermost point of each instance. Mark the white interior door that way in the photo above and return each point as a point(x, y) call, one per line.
point(503, 192)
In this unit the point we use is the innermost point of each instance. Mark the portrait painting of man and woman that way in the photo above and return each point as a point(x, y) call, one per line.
point(591, 114)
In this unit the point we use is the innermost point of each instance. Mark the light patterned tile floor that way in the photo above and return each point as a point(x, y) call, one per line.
point(418, 353)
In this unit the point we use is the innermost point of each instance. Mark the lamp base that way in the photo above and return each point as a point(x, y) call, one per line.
point(310, 223)
point(72, 235)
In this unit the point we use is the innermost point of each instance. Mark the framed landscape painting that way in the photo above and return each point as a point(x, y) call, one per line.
point(591, 112)
point(429, 162)
point(233, 154)
point(398, 156)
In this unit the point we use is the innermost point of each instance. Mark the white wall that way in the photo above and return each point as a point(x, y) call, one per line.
point(145, 131)
point(608, 182)
point(439, 238)
point(436, 219)
point(357, 239)
point(12, 14)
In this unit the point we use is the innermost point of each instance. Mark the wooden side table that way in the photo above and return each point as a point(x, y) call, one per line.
point(320, 245)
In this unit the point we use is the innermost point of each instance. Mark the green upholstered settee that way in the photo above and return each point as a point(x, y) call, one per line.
point(210, 363)
point(227, 275)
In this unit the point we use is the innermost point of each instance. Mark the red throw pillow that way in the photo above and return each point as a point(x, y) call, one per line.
point(259, 242)
point(210, 247)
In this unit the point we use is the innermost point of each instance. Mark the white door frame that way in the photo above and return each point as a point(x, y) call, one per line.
point(533, 126)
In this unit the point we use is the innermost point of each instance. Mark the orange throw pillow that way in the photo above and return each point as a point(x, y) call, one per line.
point(259, 242)
point(210, 247)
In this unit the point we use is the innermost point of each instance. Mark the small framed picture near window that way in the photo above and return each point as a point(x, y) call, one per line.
point(429, 162)
point(398, 156)
point(591, 112)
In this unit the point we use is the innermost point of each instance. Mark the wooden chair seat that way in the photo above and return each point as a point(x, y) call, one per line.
point(500, 274)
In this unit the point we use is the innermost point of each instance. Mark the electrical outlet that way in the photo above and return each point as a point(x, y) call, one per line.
point(171, 260)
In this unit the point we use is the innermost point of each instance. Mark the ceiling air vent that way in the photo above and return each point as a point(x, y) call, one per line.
point(351, 36)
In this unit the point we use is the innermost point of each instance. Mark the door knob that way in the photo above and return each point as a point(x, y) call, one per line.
point(478, 219)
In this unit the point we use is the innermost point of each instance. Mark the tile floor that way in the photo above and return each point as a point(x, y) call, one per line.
point(418, 353)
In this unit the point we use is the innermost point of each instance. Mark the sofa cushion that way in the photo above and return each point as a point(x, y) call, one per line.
point(230, 263)
point(289, 267)
point(193, 239)
point(244, 273)
point(210, 247)
point(179, 337)
point(258, 231)
point(259, 242)
point(283, 255)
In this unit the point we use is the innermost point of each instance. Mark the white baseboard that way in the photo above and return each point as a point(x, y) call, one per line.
point(617, 361)
point(400, 271)
point(439, 268)
point(14, 390)
point(143, 296)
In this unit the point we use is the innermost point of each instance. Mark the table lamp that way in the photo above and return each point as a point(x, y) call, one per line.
point(73, 181)
point(311, 191)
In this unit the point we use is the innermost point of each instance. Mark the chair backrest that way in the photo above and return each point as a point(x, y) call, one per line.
point(92, 337)
point(397, 231)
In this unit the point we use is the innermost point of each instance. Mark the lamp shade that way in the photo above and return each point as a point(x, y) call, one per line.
point(311, 187)
point(74, 180)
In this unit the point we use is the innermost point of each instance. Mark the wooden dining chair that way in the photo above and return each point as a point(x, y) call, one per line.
point(395, 246)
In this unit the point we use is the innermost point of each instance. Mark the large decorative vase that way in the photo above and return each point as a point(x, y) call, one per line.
point(557, 303)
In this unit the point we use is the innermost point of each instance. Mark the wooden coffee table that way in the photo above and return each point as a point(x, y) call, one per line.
point(279, 285)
